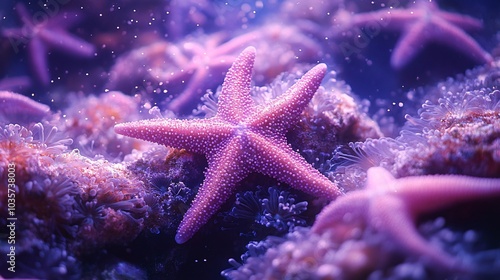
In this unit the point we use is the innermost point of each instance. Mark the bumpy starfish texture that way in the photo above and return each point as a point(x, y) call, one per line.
point(391, 206)
point(42, 35)
point(421, 24)
point(241, 138)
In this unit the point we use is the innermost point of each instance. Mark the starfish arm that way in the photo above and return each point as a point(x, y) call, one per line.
point(13, 103)
point(409, 45)
point(235, 102)
point(178, 68)
point(16, 33)
point(462, 21)
point(197, 136)
point(15, 83)
point(239, 42)
point(393, 19)
point(38, 54)
point(224, 172)
point(176, 55)
point(23, 14)
point(214, 41)
point(444, 190)
point(344, 210)
point(211, 46)
point(281, 113)
point(454, 37)
point(192, 93)
point(389, 215)
point(278, 160)
point(63, 41)
point(203, 77)
point(378, 178)
point(64, 20)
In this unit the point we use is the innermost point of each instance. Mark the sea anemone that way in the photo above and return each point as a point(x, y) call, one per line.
point(274, 213)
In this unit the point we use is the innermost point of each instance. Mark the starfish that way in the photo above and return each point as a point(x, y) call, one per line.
point(43, 34)
point(390, 206)
point(15, 83)
point(196, 64)
point(421, 24)
point(241, 138)
point(17, 108)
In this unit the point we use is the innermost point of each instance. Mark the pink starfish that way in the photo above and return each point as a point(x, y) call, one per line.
point(241, 138)
point(391, 206)
point(44, 34)
point(421, 24)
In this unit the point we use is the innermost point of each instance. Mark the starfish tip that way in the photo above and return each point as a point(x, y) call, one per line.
point(122, 128)
point(320, 68)
point(180, 239)
point(249, 50)
point(378, 177)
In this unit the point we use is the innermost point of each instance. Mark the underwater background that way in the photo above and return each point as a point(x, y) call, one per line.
point(411, 89)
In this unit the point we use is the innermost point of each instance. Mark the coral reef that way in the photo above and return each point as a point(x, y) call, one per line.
point(347, 240)
point(89, 122)
point(274, 213)
point(309, 140)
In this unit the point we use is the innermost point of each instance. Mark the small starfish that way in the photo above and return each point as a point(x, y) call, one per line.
point(241, 138)
point(421, 24)
point(391, 206)
point(43, 35)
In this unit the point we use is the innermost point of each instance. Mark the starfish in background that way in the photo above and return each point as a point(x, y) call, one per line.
point(391, 207)
point(420, 24)
point(241, 138)
point(15, 83)
point(197, 64)
point(17, 108)
point(44, 35)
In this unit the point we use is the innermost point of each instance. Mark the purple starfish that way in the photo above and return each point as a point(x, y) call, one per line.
point(391, 206)
point(240, 139)
point(17, 108)
point(45, 34)
point(15, 83)
point(420, 24)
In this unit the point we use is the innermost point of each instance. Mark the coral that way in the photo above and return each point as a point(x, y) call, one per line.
point(171, 178)
point(455, 132)
point(304, 255)
point(29, 147)
point(50, 202)
point(274, 213)
point(332, 118)
point(47, 260)
point(344, 245)
point(68, 204)
point(457, 128)
point(123, 270)
point(89, 122)
point(111, 201)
